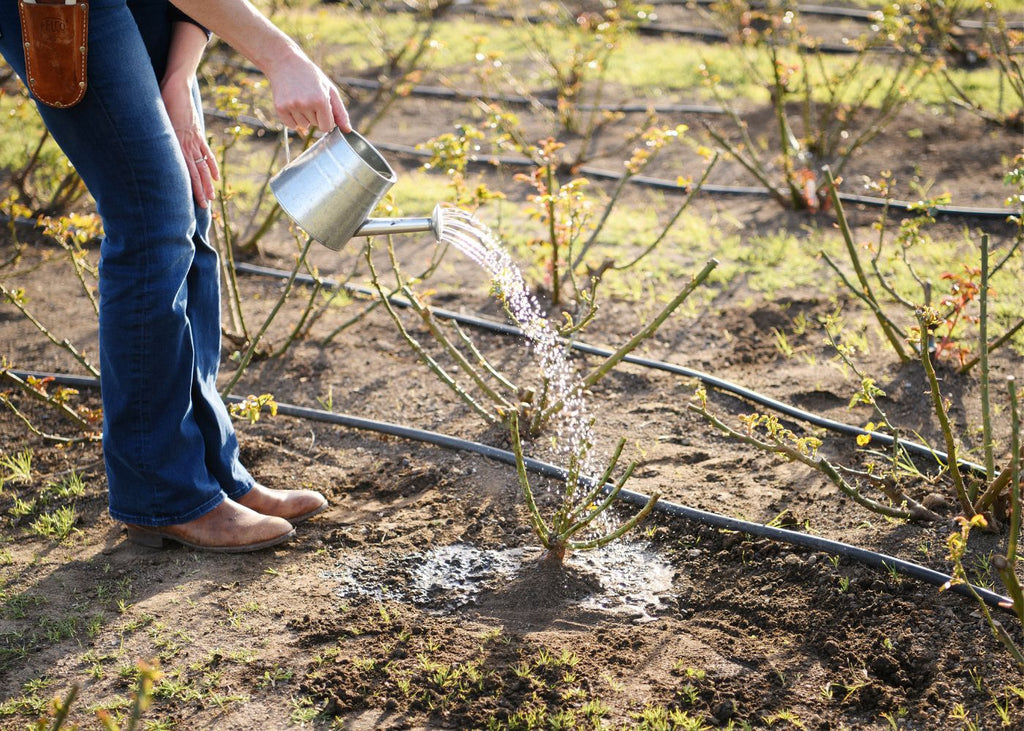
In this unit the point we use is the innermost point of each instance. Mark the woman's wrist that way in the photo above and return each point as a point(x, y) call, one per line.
point(180, 79)
point(279, 54)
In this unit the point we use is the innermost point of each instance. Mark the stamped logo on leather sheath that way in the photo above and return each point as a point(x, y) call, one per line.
point(53, 26)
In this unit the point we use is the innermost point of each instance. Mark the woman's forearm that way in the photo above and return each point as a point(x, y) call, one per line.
point(188, 42)
point(244, 28)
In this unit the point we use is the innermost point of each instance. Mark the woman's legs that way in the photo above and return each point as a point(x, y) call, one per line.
point(169, 445)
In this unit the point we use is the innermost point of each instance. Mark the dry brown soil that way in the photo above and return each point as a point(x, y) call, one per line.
point(418, 600)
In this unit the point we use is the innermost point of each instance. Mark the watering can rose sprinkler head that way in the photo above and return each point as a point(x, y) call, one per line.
point(331, 188)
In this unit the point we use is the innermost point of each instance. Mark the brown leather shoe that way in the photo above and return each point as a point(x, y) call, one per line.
point(228, 528)
point(294, 506)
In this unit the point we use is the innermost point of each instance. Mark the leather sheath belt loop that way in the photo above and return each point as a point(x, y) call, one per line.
point(55, 37)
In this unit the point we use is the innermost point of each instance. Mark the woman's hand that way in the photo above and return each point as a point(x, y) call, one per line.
point(303, 95)
point(199, 159)
point(187, 44)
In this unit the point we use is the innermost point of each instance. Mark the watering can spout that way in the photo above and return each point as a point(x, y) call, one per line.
point(388, 226)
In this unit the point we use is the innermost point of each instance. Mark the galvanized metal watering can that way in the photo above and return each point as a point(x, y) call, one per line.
point(331, 188)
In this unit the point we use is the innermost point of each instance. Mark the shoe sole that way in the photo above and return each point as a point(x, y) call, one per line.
point(152, 538)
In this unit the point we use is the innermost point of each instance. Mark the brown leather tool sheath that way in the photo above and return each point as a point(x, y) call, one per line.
point(55, 37)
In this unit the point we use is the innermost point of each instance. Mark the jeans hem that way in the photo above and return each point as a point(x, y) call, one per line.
point(149, 521)
point(241, 491)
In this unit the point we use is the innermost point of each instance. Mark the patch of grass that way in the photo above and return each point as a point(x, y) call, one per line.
point(57, 525)
point(34, 700)
point(109, 594)
point(168, 641)
point(789, 719)
point(134, 624)
point(765, 254)
point(659, 718)
point(115, 709)
point(22, 131)
point(238, 616)
point(340, 38)
point(97, 662)
point(200, 684)
point(57, 630)
point(69, 487)
point(498, 681)
point(16, 469)
point(417, 192)
point(18, 606)
point(178, 686)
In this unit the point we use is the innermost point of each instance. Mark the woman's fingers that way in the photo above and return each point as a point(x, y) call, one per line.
point(325, 114)
point(202, 167)
point(211, 163)
point(199, 159)
point(339, 112)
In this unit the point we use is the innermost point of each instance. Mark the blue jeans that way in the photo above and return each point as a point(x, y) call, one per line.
point(168, 442)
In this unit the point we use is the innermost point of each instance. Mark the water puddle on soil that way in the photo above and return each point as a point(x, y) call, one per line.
point(623, 579)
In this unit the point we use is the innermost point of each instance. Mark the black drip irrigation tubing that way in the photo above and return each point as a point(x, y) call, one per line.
point(662, 184)
point(714, 35)
point(719, 384)
point(828, 11)
point(442, 92)
point(717, 36)
point(652, 182)
point(703, 517)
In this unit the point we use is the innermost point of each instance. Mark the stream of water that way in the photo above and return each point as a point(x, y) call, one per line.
point(475, 239)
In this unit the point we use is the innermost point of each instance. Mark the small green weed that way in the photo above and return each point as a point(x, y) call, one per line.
point(57, 525)
point(16, 468)
point(68, 487)
point(660, 718)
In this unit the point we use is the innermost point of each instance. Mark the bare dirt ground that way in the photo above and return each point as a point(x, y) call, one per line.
point(418, 600)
